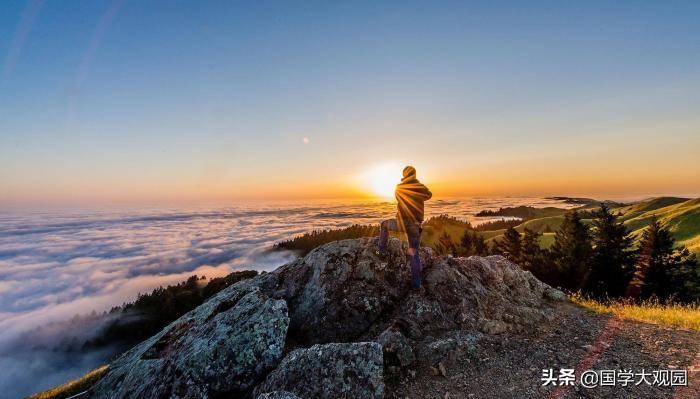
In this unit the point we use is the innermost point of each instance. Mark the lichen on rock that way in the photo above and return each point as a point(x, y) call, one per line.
point(324, 309)
point(212, 350)
point(352, 370)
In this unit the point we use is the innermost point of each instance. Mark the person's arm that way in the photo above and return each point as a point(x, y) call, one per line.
point(425, 193)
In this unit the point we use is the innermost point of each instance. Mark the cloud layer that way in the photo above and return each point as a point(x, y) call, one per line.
point(54, 265)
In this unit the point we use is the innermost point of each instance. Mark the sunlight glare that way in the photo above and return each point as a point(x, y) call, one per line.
point(382, 179)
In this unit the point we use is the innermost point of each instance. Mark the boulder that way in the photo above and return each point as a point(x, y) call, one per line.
point(396, 348)
point(341, 292)
point(337, 291)
point(445, 351)
point(223, 347)
point(487, 294)
point(349, 370)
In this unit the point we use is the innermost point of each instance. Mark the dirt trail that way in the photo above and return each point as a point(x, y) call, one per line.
point(510, 366)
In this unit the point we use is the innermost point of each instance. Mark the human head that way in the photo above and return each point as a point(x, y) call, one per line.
point(409, 171)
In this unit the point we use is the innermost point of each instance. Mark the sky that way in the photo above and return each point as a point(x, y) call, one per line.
point(121, 100)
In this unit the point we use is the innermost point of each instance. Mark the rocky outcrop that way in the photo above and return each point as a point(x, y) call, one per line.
point(490, 294)
point(339, 290)
point(342, 291)
point(346, 318)
point(352, 370)
point(398, 353)
point(222, 347)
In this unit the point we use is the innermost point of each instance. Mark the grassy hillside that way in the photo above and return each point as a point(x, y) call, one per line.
point(525, 212)
point(681, 217)
point(639, 208)
point(434, 227)
point(672, 315)
point(73, 387)
point(542, 225)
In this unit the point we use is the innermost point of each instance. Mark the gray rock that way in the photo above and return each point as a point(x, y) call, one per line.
point(350, 370)
point(397, 350)
point(448, 349)
point(277, 395)
point(222, 347)
point(339, 292)
point(554, 294)
point(340, 289)
point(488, 294)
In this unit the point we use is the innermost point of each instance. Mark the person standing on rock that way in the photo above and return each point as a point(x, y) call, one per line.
point(410, 195)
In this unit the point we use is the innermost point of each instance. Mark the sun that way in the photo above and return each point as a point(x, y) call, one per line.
point(381, 179)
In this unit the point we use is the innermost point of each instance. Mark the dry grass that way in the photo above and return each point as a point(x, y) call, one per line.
point(672, 315)
point(71, 388)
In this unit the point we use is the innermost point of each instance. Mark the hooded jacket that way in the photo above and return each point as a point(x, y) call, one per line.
point(410, 195)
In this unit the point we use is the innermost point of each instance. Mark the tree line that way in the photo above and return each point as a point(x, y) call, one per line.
point(304, 243)
point(135, 321)
point(599, 260)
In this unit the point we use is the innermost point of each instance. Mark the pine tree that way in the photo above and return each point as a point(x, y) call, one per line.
point(686, 275)
point(537, 260)
point(472, 243)
point(653, 276)
point(662, 270)
point(571, 251)
point(449, 246)
point(493, 248)
point(466, 244)
point(531, 256)
point(480, 246)
point(612, 261)
point(510, 246)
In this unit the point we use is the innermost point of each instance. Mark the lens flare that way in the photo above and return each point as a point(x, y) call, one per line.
point(381, 179)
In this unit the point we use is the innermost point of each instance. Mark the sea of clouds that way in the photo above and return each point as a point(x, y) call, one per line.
point(56, 264)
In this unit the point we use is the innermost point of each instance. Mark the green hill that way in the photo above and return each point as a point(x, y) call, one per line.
point(682, 218)
point(542, 225)
point(524, 212)
point(680, 215)
point(639, 208)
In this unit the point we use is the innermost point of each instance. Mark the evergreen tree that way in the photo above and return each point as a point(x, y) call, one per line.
point(510, 246)
point(480, 246)
point(653, 276)
point(686, 276)
point(493, 248)
point(472, 243)
point(466, 244)
point(662, 270)
point(449, 247)
point(571, 251)
point(531, 256)
point(538, 260)
point(612, 261)
point(439, 249)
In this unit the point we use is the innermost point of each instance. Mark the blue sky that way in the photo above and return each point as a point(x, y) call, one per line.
point(123, 99)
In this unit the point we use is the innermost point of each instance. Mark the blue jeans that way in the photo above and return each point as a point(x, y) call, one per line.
point(413, 231)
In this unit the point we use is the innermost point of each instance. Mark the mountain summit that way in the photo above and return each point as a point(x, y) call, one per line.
point(339, 322)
